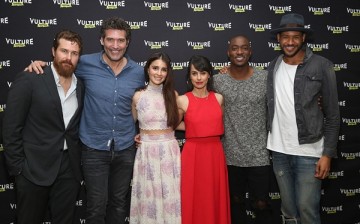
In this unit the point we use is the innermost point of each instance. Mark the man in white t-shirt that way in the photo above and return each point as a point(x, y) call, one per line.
point(302, 136)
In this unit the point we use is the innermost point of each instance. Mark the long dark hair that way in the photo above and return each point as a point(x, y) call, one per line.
point(168, 90)
point(201, 63)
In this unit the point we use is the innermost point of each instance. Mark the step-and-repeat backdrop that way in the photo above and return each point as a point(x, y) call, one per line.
point(183, 28)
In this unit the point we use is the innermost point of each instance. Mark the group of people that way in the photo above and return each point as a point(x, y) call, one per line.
point(230, 121)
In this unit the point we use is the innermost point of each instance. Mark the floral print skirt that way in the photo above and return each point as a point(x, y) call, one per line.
point(155, 194)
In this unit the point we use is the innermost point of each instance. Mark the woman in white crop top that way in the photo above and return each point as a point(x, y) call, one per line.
point(155, 196)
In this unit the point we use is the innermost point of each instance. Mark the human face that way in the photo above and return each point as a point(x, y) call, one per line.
point(291, 42)
point(199, 79)
point(115, 44)
point(239, 51)
point(157, 72)
point(66, 57)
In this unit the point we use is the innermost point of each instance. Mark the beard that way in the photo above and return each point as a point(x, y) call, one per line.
point(64, 68)
point(293, 53)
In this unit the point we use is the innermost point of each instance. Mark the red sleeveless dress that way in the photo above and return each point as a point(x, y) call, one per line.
point(204, 180)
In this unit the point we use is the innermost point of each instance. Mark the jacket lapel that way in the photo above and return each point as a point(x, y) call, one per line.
point(48, 78)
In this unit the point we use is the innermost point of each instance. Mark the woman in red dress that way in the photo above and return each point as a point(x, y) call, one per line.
point(204, 183)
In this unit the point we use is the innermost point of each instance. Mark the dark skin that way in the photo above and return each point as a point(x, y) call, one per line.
point(291, 43)
point(239, 53)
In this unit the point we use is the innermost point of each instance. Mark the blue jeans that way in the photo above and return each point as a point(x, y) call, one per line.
point(107, 177)
point(300, 191)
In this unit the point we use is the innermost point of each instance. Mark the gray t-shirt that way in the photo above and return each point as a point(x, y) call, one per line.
point(244, 119)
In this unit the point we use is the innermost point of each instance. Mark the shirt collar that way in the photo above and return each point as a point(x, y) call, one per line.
point(57, 78)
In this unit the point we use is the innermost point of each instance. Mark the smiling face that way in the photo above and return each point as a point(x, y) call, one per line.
point(239, 51)
point(291, 43)
point(157, 72)
point(115, 44)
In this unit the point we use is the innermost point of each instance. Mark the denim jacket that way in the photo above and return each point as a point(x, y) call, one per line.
point(314, 77)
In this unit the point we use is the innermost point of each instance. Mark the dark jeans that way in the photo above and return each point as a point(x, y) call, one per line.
point(107, 179)
point(60, 197)
point(256, 180)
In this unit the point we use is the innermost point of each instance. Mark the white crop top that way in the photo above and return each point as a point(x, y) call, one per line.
point(151, 110)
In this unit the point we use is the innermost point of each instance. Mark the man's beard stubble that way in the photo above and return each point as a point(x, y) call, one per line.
point(299, 48)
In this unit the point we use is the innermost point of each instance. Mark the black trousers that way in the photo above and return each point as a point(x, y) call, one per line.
point(256, 180)
point(33, 200)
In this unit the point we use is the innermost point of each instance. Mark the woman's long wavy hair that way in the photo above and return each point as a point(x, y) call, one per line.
point(168, 90)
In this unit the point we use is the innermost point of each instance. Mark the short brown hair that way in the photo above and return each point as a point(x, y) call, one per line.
point(70, 36)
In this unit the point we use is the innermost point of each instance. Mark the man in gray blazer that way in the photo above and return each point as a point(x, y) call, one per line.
point(41, 139)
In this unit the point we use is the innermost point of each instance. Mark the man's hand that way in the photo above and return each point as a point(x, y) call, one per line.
point(137, 140)
point(323, 167)
point(36, 66)
point(224, 70)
